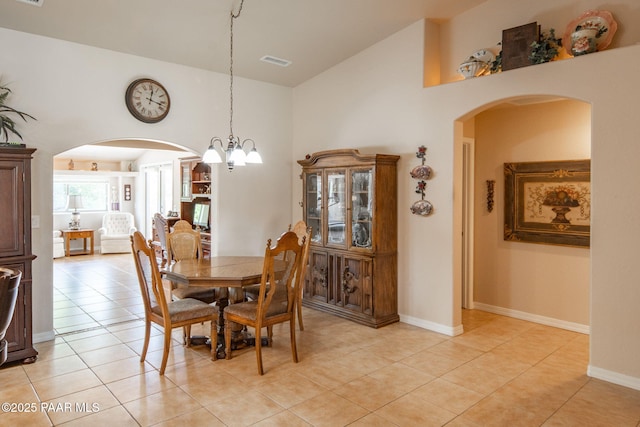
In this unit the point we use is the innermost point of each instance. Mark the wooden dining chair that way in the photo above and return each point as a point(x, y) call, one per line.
point(159, 309)
point(281, 264)
point(160, 232)
point(302, 231)
point(185, 243)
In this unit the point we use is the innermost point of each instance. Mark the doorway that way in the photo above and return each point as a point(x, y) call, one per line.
point(544, 283)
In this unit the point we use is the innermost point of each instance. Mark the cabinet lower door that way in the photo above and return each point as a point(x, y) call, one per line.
point(316, 285)
point(15, 334)
point(354, 283)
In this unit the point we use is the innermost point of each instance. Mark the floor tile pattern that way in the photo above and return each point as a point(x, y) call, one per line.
point(500, 372)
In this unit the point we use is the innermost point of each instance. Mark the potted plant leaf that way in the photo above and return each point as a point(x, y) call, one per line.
point(546, 49)
point(7, 124)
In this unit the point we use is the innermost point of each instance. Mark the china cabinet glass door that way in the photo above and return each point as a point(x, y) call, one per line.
point(314, 205)
point(361, 207)
point(336, 208)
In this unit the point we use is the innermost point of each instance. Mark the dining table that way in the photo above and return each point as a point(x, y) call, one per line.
point(229, 272)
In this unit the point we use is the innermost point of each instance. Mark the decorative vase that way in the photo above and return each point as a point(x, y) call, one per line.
point(583, 41)
point(9, 284)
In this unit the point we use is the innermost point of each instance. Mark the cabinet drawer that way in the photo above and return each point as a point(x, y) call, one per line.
point(80, 234)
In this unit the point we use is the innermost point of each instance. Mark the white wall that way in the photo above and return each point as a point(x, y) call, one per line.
point(375, 101)
point(76, 93)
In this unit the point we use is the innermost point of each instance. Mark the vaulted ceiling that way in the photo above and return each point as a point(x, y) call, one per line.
point(313, 34)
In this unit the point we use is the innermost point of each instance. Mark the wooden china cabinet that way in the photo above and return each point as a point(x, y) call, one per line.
point(15, 245)
point(350, 201)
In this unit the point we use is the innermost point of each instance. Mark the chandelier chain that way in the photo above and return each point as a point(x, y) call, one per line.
point(233, 16)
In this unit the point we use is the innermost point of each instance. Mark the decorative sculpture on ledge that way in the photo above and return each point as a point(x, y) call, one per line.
point(422, 172)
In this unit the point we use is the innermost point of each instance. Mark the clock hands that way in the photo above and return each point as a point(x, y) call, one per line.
point(155, 102)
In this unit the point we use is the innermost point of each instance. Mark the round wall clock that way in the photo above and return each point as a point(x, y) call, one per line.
point(147, 100)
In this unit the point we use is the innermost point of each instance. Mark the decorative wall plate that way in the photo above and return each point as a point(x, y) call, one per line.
point(484, 55)
point(601, 20)
point(421, 172)
point(422, 207)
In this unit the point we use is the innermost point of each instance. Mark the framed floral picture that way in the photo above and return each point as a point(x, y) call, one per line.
point(548, 202)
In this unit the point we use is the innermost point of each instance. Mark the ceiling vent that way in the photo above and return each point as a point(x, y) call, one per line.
point(275, 61)
point(32, 2)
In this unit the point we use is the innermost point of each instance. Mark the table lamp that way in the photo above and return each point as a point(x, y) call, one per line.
point(74, 201)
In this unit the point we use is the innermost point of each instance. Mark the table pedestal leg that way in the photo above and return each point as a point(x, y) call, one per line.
point(239, 337)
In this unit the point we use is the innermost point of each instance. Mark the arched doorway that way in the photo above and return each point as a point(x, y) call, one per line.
point(543, 283)
point(93, 292)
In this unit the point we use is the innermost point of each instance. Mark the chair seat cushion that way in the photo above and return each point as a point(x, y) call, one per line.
point(185, 309)
point(116, 237)
point(249, 309)
point(207, 295)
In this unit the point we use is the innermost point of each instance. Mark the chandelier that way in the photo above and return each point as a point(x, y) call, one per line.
point(235, 154)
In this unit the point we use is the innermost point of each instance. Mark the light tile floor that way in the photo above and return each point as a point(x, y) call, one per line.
point(500, 372)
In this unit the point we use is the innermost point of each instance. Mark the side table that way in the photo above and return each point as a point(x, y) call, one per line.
point(78, 234)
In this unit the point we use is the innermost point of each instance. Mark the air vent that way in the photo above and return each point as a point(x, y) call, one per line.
point(32, 2)
point(275, 61)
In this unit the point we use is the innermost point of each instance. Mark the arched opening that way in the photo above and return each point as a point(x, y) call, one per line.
point(544, 283)
point(138, 176)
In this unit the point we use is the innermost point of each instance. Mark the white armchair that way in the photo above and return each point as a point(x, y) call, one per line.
point(58, 244)
point(115, 231)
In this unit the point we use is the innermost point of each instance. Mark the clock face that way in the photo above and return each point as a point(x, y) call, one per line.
point(147, 100)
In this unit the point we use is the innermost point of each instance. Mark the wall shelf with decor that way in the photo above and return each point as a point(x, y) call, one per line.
point(532, 43)
point(95, 173)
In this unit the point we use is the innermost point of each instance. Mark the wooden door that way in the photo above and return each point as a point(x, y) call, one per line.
point(355, 283)
point(12, 240)
point(316, 286)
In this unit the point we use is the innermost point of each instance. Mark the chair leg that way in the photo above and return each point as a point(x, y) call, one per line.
point(227, 338)
point(165, 350)
point(269, 335)
point(186, 331)
point(259, 351)
point(292, 331)
point(299, 308)
point(145, 346)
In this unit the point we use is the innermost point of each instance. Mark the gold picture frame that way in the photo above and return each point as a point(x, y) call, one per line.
point(548, 202)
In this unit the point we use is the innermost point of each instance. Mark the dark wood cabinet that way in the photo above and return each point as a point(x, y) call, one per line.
point(350, 201)
point(15, 244)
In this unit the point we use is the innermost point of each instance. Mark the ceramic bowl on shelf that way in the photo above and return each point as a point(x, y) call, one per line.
point(472, 68)
point(478, 63)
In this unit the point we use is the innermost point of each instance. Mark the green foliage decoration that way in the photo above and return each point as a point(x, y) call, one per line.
point(546, 49)
point(7, 124)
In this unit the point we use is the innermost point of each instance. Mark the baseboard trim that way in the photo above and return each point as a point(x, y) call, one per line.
point(451, 331)
point(549, 321)
point(613, 377)
point(43, 336)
